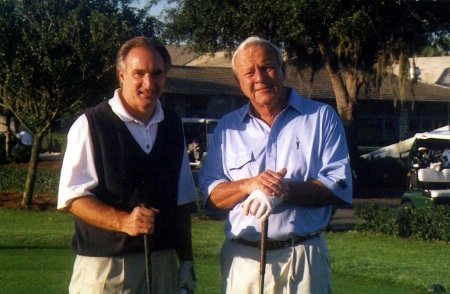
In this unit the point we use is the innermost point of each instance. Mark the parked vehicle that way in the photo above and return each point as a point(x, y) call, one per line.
point(429, 174)
point(198, 133)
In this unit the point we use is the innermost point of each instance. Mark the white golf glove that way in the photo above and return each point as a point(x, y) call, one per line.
point(260, 204)
point(186, 276)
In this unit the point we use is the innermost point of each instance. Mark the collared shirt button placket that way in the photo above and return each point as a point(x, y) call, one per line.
point(146, 144)
point(271, 158)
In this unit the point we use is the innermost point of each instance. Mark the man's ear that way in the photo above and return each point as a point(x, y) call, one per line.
point(120, 75)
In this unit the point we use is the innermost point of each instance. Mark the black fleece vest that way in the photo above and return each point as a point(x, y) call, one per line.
point(129, 177)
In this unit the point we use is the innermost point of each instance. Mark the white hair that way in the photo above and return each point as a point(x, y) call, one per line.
point(257, 41)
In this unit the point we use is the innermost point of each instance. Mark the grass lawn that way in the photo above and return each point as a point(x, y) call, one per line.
point(380, 264)
point(35, 257)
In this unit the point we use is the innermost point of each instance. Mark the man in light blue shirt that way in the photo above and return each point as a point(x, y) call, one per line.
point(283, 158)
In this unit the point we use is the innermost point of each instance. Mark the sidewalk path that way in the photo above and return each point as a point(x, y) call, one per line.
point(344, 218)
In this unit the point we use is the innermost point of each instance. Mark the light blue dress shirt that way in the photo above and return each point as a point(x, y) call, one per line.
point(307, 138)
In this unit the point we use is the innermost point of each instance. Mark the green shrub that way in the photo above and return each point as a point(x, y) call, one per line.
point(54, 142)
point(13, 180)
point(430, 223)
point(20, 153)
point(380, 219)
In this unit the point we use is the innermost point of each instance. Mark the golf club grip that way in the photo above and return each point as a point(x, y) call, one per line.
point(262, 262)
point(262, 265)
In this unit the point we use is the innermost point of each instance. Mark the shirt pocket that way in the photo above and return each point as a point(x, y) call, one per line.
point(240, 165)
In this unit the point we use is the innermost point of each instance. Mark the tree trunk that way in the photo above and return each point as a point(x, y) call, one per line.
point(8, 137)
point(27, 198)
point(346, 109)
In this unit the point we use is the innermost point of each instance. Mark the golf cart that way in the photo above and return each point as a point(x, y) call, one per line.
point(429, 174)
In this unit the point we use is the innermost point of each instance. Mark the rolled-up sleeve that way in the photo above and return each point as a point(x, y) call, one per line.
point(78, 174)
point(335, 173)
point(211, 173)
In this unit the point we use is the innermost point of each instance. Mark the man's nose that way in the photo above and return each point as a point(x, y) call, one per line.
point(259, 75)
point(146, 80)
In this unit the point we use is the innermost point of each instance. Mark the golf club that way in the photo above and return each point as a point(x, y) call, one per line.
point(148, 261)
point(262, 262)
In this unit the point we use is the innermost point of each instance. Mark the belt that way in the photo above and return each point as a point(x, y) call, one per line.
point(275, 245)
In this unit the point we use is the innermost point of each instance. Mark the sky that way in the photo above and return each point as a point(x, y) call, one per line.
point(156, 10)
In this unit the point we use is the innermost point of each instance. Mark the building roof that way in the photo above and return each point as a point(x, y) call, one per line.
point(212, 74)
point(201, 80)
point(218, 59)
point(220, 80)
point(322, 88)
point(180, 55)
point(433, 70)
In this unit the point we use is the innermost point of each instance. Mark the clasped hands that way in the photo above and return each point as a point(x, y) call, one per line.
point(268, 190)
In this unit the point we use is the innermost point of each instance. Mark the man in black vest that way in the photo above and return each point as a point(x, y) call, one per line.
point(125, 175)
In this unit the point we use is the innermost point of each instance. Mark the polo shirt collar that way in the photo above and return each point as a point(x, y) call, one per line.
point(295, 101)
point(118, 108)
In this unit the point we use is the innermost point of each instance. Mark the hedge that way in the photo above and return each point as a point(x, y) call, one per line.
point(428, 223)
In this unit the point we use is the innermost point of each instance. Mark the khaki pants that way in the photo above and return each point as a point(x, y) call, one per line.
point(304, 268)
point(125, 275)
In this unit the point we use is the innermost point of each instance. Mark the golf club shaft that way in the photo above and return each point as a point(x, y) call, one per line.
point(148, 265)
point(262, 263)
point(148, 261)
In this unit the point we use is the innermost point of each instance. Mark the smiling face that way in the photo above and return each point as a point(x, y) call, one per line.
point(142, 77)
point(260, 76)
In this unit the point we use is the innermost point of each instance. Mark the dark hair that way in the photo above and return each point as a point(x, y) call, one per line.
point(143, 42)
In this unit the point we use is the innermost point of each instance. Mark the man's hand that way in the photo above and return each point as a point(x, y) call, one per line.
point(186, 276)
point(270, 182)
point(91, 210)
point(260, 204)
point(140, 221)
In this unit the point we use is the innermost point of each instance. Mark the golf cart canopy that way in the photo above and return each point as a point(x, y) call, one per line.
point(438, 138)
point(434, 139)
